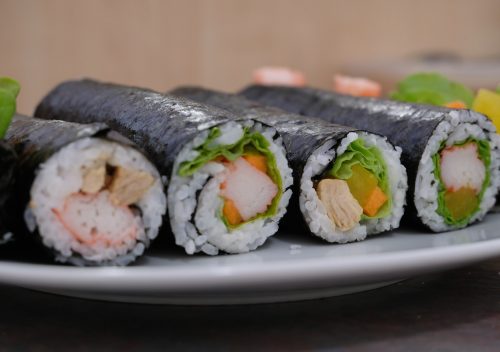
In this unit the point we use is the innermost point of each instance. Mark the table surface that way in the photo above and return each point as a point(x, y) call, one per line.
point(452, 311)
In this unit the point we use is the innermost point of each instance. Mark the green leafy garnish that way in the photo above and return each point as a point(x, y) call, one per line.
point(9, 89)
point(371, 159)
point(483, 147)
point(498, 89)
point(249, 143)
point(432, 88)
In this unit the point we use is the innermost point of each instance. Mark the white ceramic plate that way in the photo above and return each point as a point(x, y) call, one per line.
point(289, 267)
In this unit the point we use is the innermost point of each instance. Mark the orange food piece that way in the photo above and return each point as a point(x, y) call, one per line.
point(457, 104)
point(375, 201)
point(231, 213)
point(257, 161)
point(358, 87)
point(282, 76)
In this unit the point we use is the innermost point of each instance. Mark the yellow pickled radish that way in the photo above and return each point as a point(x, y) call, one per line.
point(461, 203)
point(487, 102)
point(362, 183)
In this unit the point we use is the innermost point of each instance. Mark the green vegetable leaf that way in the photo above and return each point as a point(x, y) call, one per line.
point(371, 159)
point(250, 143)
point(9, 89)
point(485, 156)
point(432, 88)
point(498, 89)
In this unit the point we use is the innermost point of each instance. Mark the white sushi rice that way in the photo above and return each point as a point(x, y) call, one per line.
point(195, 205)
point(61, 176)
point(457, 127)
point(313, 209)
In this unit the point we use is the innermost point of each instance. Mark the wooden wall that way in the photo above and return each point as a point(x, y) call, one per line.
point(217, 43)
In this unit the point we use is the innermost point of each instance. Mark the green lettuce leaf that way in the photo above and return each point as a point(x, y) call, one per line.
point(485, 156)
point(371, 159)
point(432, 88)
point(9, 89)
point(250, 143)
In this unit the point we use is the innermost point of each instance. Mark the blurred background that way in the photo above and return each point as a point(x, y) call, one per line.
point(217, 43)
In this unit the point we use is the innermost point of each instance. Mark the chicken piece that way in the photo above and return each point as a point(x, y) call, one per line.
point(94, 177)
point(128, 186)
point(342, 208)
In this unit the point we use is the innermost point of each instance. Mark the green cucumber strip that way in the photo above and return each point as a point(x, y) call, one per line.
point(371, 159)
point(483, 147)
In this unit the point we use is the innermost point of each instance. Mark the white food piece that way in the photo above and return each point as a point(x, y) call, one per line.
point(87, 217)
point(461, 167)
point(251, 190)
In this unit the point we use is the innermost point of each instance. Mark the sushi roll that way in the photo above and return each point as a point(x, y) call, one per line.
point(7, 163)
point(229, 179)
point(9, 90)
point(88, 195)
point(349, 183)
point(451, 155)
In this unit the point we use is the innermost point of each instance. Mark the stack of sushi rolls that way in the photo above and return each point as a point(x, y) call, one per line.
point(349, 183)
point(452, 156)
point(85, 192)
point(228, 177)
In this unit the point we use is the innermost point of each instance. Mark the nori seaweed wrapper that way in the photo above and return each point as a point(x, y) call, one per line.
point(7, 164)
point(406, 125)
point(34, 141)
point(301, 135)
point(159, 123)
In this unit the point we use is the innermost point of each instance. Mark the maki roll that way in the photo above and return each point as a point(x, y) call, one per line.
point(7, 163)
point(9, 90)
point(349, 183)
point(85, 191)
point(451, 155)
point(229, 178)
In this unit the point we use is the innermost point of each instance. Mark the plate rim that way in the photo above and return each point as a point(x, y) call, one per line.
point(347, 270)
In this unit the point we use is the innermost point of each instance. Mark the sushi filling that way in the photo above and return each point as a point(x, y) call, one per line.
point(250, 184)
point(229, 188)
point(356, 187)
point(89, 202)
point(458, 173)
point(462, 172)
point(352, 188)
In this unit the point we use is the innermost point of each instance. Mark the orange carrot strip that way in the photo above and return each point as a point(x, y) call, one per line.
point(231, 213)
point(457, 104)
point(257, 161)
point(376, 199)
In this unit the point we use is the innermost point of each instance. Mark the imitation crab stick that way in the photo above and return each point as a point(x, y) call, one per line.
point(87, 218)
point(248, 189)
